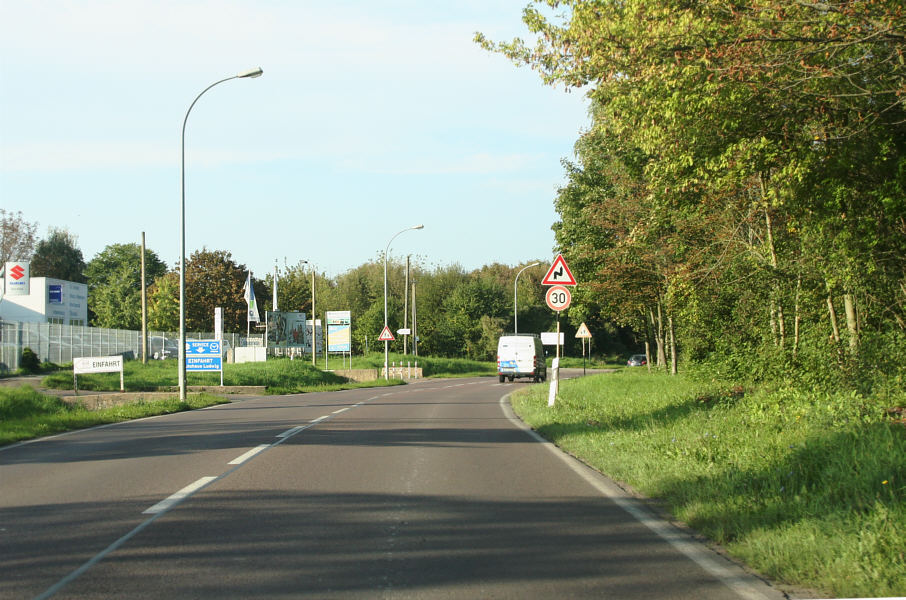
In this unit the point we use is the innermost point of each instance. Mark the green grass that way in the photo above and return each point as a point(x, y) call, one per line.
point(807, 488)
point(431, 366)
point(26, 413)
point(280, 375)
point(591, 362)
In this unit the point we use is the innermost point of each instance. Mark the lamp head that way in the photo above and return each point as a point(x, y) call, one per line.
point(257, 72)
point(418, 227)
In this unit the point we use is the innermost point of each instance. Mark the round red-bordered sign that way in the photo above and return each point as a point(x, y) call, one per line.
point(558, 298)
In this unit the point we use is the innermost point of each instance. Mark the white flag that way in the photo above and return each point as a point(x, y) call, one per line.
point(249, 295)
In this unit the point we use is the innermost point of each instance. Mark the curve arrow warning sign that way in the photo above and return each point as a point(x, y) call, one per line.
point(559, 273)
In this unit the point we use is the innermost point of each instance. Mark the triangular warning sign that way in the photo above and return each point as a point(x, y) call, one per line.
point(386, 335)
point(583, 331)
point(559, 273)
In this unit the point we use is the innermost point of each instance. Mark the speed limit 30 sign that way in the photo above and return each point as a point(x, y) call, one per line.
point(558, 298)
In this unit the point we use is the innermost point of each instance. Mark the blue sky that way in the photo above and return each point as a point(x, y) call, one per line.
point(370, 117)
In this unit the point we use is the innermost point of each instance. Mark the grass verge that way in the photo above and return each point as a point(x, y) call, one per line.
point(431, 366)
point(280, 375)
point(26, 413)
point(807, 488)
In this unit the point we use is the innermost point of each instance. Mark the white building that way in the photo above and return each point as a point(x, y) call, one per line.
point(48, 301)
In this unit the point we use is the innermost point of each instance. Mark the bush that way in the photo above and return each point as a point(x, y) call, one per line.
point(30, 363)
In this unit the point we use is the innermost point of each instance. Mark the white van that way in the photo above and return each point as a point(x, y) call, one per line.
point(521, 355)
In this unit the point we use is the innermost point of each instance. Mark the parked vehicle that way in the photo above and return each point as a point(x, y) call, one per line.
point(521, 355)
point(637, 360)
point(160, 348)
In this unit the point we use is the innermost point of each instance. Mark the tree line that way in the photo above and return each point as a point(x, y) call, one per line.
point(740, 195)
point(459, 313)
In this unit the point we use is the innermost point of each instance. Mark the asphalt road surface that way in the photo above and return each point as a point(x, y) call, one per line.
point(430, 490)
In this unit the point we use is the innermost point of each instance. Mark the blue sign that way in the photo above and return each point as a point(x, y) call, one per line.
point(205, 355)
point(55, 294)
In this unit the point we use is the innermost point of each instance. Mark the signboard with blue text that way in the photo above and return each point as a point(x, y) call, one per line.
point(204, 355)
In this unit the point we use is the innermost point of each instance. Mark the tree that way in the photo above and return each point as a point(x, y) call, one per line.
point(114, 285)
point(214, 279)
point(17, 237)
point(163, 303)
point(772, 142)
point(59, 256)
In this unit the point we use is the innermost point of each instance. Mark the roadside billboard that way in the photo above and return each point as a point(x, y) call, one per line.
point(287, 329)
point(339, 330)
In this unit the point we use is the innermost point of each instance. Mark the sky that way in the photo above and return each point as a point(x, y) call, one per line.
point(370, 117)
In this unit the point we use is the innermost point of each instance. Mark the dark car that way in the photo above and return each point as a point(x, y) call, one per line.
point(637, 360)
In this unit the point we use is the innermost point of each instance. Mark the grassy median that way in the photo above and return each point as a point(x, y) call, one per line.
point(808, 488)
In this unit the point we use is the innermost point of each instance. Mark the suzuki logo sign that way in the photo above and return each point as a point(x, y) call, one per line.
point(17, 278)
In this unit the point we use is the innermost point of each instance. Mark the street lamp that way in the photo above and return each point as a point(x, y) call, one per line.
point(386, 343)
point(314, 329)
point(515, 309)
point(182, 234)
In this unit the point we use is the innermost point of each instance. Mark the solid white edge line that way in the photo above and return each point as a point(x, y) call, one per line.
point(733, 576)
point(336, 412)
point(241, 459)
point(182, 494)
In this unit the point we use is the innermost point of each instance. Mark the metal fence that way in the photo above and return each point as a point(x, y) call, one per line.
point(61, 343)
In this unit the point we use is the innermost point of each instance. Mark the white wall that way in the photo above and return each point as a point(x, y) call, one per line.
point(36, 307)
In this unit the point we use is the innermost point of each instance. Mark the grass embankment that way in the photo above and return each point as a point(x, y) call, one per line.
point(26, 413)
point(431, 366)
point(280, 375)
point(807, 488)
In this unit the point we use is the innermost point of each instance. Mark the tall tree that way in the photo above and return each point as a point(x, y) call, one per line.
point(214, 279)
point(17, 237)
point(114, 284)
point(58, 256)
point(773, 137)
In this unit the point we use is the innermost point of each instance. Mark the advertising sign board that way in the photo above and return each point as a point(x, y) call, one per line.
point(339, 330)
point(204, 355)
point(16, 277)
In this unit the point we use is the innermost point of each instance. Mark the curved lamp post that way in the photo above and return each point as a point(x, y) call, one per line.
point(515, 309)
point(182, 234)
point(386, 343)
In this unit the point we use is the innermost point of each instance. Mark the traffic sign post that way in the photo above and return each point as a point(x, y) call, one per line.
point(584, 334)
point(558, 298)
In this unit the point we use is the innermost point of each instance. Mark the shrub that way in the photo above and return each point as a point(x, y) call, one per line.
point(30, 363)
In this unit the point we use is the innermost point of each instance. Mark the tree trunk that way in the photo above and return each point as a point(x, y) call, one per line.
point(797, 318)
point(769, 230)
point(659, 337)
point(833, 319)
point(672, 346)
point(851, 324)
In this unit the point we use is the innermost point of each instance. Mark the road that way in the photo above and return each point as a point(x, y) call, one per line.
point(430, 490)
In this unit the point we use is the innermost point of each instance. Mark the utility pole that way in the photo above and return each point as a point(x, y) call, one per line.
point(414, 322)
point(314, 326)
point(144, 308)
